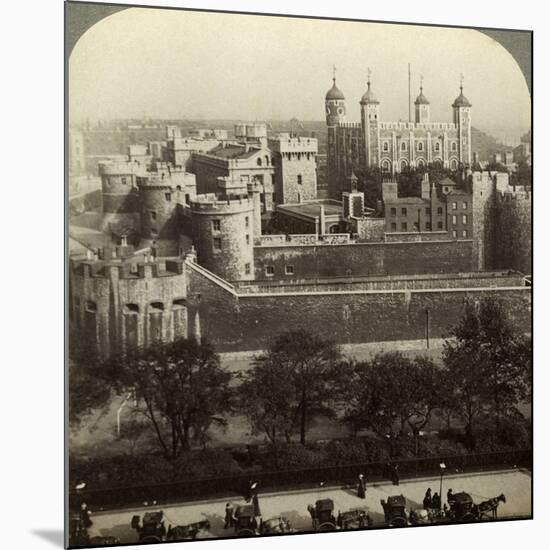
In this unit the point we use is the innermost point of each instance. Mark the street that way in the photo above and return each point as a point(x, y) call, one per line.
point(515, 484)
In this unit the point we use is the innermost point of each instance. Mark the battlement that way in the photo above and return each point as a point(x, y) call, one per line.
point(418, 126)
point(349, 125)
point(120, 168)
point(128, 269)
point(284, 143)
point(211, 203)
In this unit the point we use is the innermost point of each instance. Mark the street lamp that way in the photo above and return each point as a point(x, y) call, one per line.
point(441, 472)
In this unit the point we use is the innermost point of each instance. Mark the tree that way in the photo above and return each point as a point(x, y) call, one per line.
point(487, 365)
point(265, 398)
point(182, 385)
point(390, 393)
point(87, 392)
point(298, 374)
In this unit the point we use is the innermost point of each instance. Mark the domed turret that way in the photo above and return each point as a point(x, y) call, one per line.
point(421, 107)
point(334, 92)
point(335, 106)
point(368, 97)
point(461, 100)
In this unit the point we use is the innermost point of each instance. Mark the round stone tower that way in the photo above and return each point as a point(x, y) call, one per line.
point(223, 233)
point(120, 197)
point(159, 206)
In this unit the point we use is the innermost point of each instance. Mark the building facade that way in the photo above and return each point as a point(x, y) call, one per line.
point(393, 146)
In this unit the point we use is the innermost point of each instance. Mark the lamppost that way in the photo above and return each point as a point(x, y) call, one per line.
point(427, 330)
point(441, 472)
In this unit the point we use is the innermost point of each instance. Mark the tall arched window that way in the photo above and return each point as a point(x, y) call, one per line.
point(259, 161)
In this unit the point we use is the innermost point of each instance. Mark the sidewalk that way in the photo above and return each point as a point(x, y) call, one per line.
point(515, 484)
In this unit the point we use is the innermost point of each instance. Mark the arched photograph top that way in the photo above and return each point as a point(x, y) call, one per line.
point(299, 275)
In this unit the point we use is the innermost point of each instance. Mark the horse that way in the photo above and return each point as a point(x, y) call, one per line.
point(488, 508)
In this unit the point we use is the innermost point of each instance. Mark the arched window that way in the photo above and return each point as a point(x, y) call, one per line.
point(420, 146)
point(454, 164)
point(386, 165)
point(259, 161)
point(385, 147)
point(436, 147)
point(266, 160)
point(403, 146)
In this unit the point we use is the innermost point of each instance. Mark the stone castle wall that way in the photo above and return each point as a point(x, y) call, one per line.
point(364, 259)
point(239, 322)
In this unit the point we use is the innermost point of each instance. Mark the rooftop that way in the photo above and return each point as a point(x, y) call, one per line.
point(233, 152)
point(311, 209)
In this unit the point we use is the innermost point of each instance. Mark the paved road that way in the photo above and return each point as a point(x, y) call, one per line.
point(515, 484)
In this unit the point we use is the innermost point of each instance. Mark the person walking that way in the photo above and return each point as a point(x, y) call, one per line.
point(256, 505)
point(361, 486)
point(450, 498)
point(229, 518)
point(436, 502)
point(427, 502)
point(395, 474)
point(85, 516)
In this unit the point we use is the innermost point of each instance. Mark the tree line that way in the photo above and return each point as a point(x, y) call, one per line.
point(485, 374)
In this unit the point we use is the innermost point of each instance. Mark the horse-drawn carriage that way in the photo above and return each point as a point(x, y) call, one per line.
point(245, 521)
point(395, 513)
point(356, 518)
point(462, 508)
point(192, 531)
point(322, 516)
point(275, 526)
point(151, 528)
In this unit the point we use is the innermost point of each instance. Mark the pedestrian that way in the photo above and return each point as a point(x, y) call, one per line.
point(248, 491)
point(361, 486)
point(256, 505)
point(450, 497)
point(427, 502)
point(85, 516)
point(395, 474)
point(436, 502)
point(229, 519)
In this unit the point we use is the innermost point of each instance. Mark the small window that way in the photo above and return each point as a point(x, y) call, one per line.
point(133, 268)
point(439, 225)
point(386, 147)
point(123, 181)
point(454, 234)
point(217, 243)
point(403, 146)
point(453, 146)
point(289, 269)
point(440, 210)
point(464, 219)
point(153, 215)
point(464, 206)
point(269, 270)
point(436, 147)
point(247, 239)
point(403, 211)
point(168, 196)
point(465, 233)
point(428, 211)
point(216, 225)
point(393, 211)
point(259, 162)
point(454, 205)
point(394, 226)
point(404, 226)
point(299, 177)
point(454, 220)
point(420, 146)
point(247, 269)
point(157, 306)
point(246, 221)
point(131, 308)
point(428, 226)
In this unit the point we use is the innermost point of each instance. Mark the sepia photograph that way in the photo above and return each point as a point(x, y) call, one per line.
point(298, 275)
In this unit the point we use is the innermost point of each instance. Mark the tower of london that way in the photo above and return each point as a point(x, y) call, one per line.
point(393, 146)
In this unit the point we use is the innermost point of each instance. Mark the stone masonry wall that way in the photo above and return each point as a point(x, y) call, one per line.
point(364, 259)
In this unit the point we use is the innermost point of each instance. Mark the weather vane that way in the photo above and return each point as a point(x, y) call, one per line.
point(461, 81)
point(334, 72)
point(421, 82)
point(369, 73)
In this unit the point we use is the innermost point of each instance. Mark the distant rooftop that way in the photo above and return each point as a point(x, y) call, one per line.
point(311, 208)
point(233, 152)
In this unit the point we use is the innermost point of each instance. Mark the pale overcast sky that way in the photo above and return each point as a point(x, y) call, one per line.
point(177, 64)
